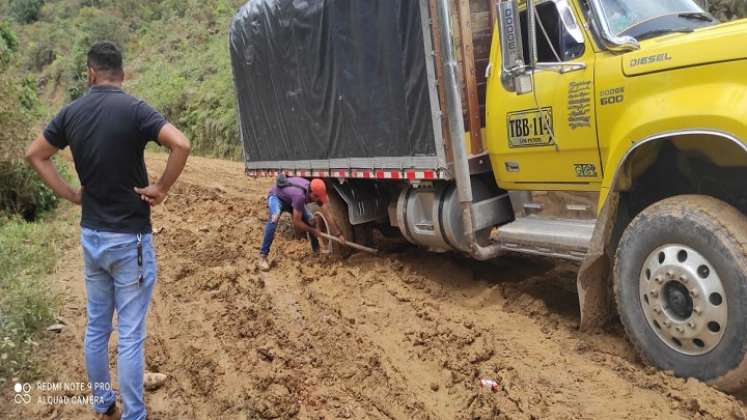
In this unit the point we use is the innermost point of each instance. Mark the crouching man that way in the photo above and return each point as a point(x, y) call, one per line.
point(291, 195)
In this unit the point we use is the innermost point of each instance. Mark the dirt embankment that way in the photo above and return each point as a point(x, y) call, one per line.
point(405, 335)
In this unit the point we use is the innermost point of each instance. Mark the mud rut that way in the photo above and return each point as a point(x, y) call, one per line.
point(406, 335)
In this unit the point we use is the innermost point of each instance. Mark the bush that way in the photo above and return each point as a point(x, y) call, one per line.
point(26, 11)
point(27, 301)
point(191, 82)
point(43, 49)
point(22, 192)
point(28, 97)
point(14, 121)
point(8, 44)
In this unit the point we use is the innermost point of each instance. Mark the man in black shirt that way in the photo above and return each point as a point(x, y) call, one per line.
point(107, 131)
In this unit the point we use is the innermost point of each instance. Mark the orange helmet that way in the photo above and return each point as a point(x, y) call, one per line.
point(319, 188)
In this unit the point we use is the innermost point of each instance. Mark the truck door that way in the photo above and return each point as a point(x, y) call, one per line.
point(547, 139)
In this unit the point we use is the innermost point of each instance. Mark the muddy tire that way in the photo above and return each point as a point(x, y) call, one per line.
point(364, 234)
point(339, 211)
point(680, 281)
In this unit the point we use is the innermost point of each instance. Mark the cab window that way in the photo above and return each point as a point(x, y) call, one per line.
point(562, 45)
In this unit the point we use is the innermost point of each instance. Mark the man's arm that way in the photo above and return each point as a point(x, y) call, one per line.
point(178, 143)
point(39, 156)
point(299, 224)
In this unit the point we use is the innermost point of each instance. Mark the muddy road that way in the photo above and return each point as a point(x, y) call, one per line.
point(404, 335)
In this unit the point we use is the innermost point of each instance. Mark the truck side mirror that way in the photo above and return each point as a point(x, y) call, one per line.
point(514, 75)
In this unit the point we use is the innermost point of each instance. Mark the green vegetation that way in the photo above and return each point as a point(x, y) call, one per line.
point(21, 191)
point(28, 253)
point(25, 11)
point(176, 58)
point(28, 250)
point(8, 44)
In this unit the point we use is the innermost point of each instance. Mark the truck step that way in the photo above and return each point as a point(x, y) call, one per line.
point(562, 238)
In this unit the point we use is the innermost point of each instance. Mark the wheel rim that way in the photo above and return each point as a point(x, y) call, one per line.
point(683, 299)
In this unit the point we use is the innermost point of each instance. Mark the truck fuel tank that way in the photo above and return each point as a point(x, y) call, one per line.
point(430, 215)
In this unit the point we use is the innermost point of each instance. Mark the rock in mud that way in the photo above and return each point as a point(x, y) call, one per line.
point(153, 380)
point(56, 328)
point(266, 353)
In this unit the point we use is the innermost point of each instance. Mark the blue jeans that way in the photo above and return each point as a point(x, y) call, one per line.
point(276, 207)
point(113, 283)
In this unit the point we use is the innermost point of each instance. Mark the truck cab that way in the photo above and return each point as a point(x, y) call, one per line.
point(618, 127)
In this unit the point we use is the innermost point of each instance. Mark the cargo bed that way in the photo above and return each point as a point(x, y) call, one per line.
point(351, 89)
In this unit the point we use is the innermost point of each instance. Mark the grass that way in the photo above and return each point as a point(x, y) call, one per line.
point(29, 252)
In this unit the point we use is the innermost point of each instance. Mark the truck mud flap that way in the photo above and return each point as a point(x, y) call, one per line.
point(593, 281)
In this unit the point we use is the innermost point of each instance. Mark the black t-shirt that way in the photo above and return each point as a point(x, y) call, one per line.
point(107, 131)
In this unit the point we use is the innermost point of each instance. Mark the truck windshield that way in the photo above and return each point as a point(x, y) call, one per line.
point(643, 19)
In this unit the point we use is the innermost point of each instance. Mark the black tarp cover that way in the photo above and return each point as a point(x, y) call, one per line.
point(329, 79)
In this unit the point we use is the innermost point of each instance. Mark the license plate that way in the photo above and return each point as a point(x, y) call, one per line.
point(527, 128)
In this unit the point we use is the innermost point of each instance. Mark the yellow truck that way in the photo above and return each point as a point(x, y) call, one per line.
point(610, 132)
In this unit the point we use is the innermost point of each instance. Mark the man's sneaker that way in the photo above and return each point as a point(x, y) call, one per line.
point(264, 265)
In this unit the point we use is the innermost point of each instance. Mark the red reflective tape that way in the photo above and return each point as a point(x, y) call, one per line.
point(410, 175)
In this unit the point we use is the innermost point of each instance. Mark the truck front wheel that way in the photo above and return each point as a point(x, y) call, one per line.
point(680, 281)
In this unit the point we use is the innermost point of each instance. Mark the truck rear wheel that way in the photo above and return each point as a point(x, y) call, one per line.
point(680, 281)
point(339, 211)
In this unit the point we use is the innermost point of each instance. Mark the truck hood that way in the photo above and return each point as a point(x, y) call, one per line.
point(714, 44)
